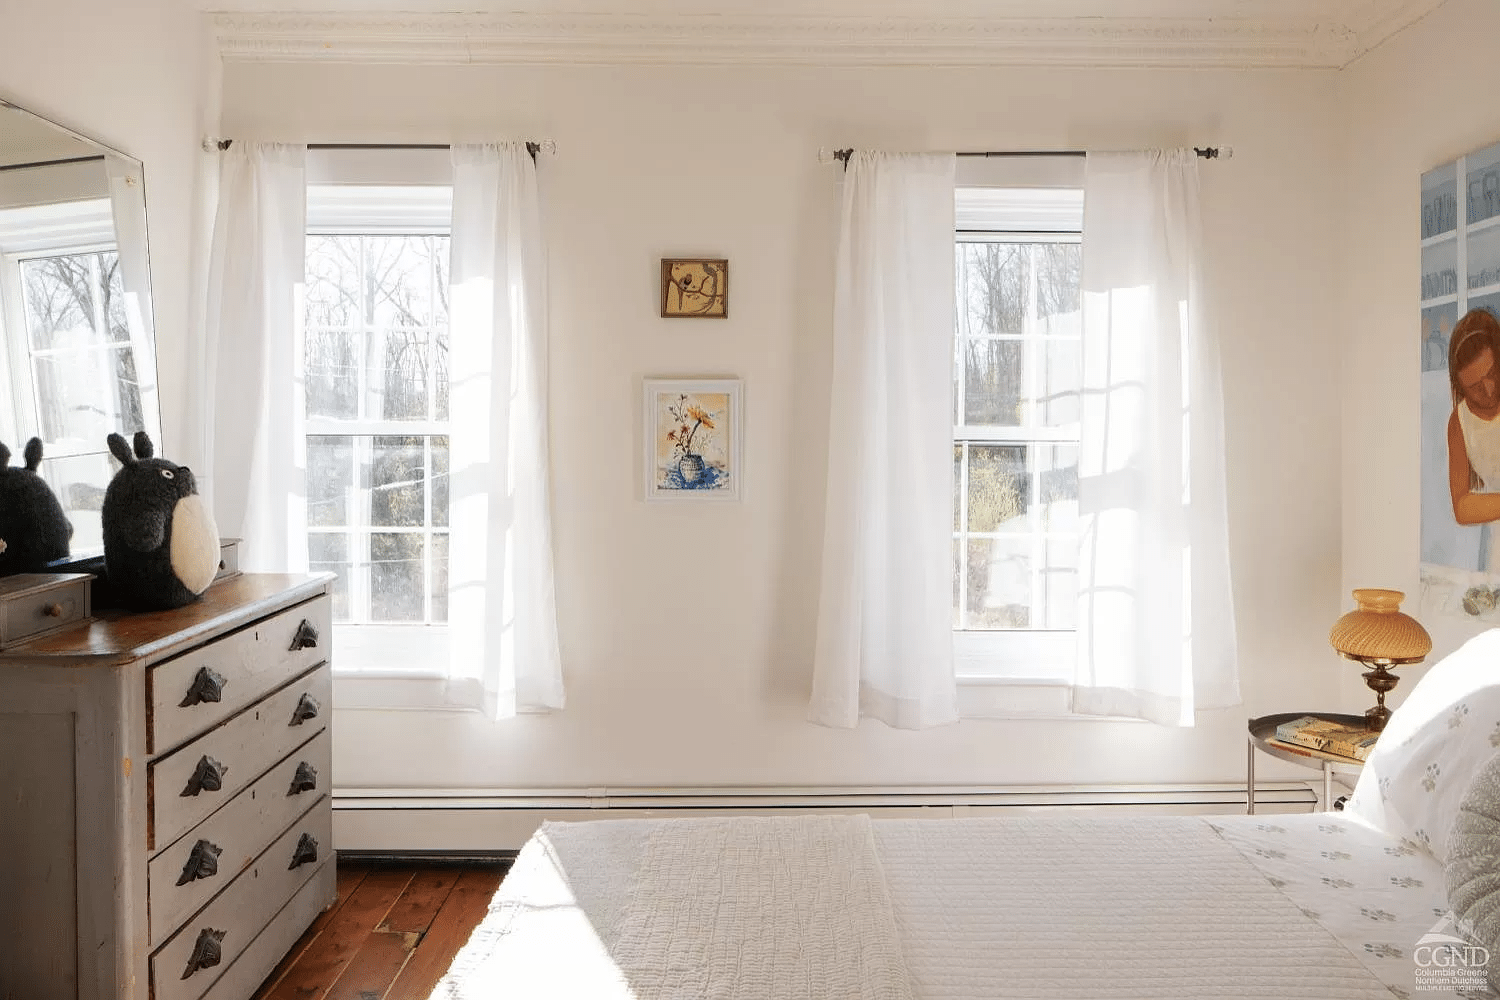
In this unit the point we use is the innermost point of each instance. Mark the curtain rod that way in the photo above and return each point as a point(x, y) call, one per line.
point(842, 155)
point(52, 163)
point(212, 143)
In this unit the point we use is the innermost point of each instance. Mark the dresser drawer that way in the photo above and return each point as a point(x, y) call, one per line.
point(190, 694)
point(188, 874)
point(37, 604)
point(192, 961)
point(194, 781)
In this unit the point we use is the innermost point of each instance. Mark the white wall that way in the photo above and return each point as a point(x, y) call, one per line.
point(687, 631)
point(141, 77)
point(1422, 99)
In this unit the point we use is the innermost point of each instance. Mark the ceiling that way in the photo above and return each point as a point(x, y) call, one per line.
point(1225, 33)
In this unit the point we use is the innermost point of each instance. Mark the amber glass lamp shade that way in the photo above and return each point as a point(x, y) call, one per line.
point(1378, 634)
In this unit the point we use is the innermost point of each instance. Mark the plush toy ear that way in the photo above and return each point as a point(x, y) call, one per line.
point(120, 449)
point(33, 454)
point(4, 456)
point(143, 446)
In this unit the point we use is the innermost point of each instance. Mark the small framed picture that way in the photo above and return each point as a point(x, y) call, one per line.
point(695, 287)
point(694, 430)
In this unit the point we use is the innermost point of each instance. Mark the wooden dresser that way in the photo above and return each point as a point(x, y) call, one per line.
point(165, 818)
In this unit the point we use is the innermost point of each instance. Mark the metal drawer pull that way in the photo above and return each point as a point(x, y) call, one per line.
point(202, 863)
point(305, 780)
point(306, 637)
point(307, 851)
point(208, 685)
point(207, 776)
point(207, 952)
point(307, 708)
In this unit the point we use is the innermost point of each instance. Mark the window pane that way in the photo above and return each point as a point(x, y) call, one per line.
point(999, 488)
point(332, 369)
point(401, 274)
point(439, 578)
point(398, 376)
point(991, 288)
point(63, 301)
point(1059, 585)
point(86, 395)
point(330, 480)
point(958, 485)
point(439, 445)
point(398, 477)
point(1057, 467)
point(79, 483)
point(331, 275)
point(398, 574)
point(999, 580)
point(1060, 377)
point(329, 553)
point(1059, 278)
point(116, 323)
point(440, 367)
point(994, 382)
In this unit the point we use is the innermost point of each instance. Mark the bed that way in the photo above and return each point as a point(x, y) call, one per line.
point(1334, 906)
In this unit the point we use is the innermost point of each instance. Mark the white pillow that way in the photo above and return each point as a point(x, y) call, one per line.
point(1434, 744)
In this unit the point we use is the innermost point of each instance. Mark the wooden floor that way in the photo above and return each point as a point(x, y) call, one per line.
point(390, 936)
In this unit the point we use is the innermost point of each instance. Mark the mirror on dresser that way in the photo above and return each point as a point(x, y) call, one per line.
point(79, 358)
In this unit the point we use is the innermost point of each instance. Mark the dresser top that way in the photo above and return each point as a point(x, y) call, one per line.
point(119, 636)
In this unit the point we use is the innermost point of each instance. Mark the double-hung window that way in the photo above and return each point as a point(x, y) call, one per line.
point(375, 337)
point(1017, 375)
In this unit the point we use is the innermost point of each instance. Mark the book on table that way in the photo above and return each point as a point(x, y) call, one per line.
point(1342, 738)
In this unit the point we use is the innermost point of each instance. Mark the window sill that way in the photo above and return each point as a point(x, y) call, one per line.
point(1007, 698)
point(393, 691)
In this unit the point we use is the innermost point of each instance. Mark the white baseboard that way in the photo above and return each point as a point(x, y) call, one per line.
point(497, 820)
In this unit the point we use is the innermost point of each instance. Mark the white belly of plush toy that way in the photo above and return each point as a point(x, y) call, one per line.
point(195, 543)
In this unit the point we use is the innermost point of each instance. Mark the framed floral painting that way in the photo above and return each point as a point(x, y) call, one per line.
point(693, 435)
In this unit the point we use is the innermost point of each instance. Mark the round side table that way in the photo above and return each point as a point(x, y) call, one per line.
point(1263, 730)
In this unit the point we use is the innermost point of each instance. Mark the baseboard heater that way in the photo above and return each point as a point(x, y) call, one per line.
point(404, 821)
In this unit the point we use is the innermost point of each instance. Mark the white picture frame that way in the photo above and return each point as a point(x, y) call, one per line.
point(693, 436)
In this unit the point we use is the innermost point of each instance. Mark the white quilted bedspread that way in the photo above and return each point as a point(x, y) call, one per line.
point(1058, 906)
point(1038, 907)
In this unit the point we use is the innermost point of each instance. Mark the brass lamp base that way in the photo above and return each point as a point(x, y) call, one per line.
point(1380, 680)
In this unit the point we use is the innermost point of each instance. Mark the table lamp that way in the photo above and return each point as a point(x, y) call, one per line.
point(1377, 634)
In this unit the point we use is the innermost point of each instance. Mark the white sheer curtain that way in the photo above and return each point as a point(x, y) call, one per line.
point(502, 617)
point(1155, 619)
point(253, 469)
point(885, 629)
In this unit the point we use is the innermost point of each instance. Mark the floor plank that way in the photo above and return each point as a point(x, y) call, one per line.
point(462, 911)
point(348, 879)
point(311, 977)
point(421, 901)
point(373, 969)
point(391, 934)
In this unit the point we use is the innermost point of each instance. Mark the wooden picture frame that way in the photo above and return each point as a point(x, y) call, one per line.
point(694, 287)
point(693, 432)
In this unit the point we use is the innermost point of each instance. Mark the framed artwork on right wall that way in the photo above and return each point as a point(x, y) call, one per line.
point(1460, 388)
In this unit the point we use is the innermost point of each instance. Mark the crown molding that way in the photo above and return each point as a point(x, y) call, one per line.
point(679, 38)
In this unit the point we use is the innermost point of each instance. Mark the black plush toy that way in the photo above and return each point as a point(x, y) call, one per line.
point(161, 547)
point(34, 531)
